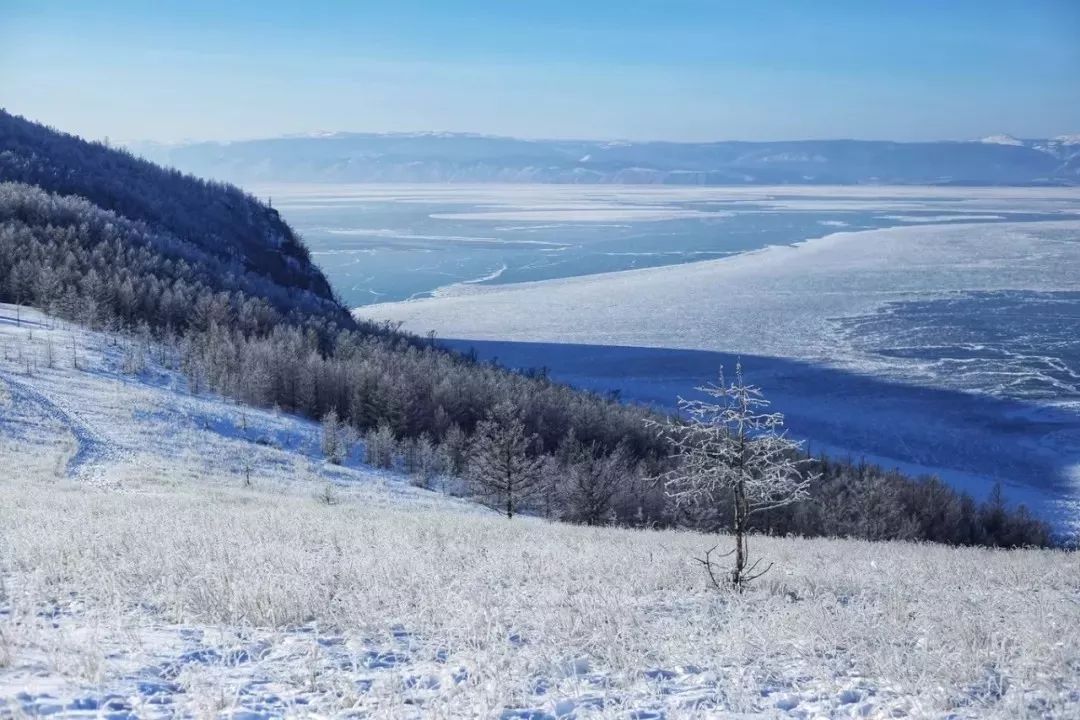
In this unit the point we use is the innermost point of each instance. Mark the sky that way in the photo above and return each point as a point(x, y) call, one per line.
point(689, 70)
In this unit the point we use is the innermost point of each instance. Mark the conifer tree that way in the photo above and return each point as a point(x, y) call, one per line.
point(500, 466)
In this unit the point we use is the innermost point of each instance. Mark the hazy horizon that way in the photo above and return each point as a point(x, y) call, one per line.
point(316, 134)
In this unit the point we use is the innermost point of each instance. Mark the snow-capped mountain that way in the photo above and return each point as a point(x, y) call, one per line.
point(448, 157)
point(1002, 140)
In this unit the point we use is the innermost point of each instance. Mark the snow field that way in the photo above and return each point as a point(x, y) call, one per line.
point(199, 599)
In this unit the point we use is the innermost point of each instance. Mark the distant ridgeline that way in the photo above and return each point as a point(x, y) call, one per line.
point(95, 235)
point(449, 157)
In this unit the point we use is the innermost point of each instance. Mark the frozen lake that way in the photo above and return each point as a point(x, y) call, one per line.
point(383, 243)
point(933, 329)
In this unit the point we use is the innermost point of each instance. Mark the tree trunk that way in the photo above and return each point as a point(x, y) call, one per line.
point(741, 512)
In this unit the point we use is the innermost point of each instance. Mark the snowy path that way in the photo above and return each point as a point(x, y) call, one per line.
point(94, 449)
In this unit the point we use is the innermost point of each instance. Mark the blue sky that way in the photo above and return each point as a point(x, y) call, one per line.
point(673, 69)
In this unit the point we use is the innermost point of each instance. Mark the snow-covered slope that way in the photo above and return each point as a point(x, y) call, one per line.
point(120, 413)
point(142, 576)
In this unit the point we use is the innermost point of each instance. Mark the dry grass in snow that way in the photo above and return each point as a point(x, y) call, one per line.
point(399, 611)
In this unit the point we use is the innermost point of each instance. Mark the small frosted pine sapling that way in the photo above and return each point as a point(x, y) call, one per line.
point(133, 361)
point(593, 481)
point(733, 450)
point(50, 354)
point(247, 467)
point(329, 495)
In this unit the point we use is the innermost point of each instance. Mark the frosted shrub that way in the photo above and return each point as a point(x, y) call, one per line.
point(328, 495)
point(134, 359)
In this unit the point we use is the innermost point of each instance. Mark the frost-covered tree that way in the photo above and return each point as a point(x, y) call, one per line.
point(455, 446)
point(500, 467)
point(380, 447)
point(424, 460)
point(331, 438)
point(732, 450)
point(593, 480)
point(338, 438)
point(50, 354)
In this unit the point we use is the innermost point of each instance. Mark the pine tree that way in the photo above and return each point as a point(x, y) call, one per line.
point(332, 445)
point(500, 467)
point(380, 446)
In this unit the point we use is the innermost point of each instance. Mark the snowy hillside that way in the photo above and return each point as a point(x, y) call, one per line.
point(141, 574)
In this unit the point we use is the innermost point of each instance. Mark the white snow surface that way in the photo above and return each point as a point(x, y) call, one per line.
point(585, 215)
point(140, 577)
point(779, 301)
point(564, 196)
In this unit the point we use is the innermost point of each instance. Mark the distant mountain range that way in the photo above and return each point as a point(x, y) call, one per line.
point(453, 157)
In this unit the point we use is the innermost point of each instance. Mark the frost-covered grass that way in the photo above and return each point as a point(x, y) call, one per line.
point(220, 597)
point(146, 578)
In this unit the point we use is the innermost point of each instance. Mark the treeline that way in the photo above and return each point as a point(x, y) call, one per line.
point(422, 410)
point(77, 261)
point(857, 499)
point(238, 331)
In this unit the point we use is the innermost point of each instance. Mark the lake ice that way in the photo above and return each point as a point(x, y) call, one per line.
point(383, 243)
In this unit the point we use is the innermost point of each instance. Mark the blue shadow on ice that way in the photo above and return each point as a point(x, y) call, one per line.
point(966, 439)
